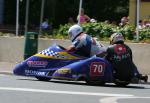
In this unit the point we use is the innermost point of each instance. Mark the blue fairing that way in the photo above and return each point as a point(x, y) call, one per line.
point(55, 62)
point(83, 68)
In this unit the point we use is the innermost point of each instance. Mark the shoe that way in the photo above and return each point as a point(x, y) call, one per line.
point(145, 78)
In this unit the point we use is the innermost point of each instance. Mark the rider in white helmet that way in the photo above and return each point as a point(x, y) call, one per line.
point(83, 44)
point(74, 31)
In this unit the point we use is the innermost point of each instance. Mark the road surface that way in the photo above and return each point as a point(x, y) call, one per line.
point(16, 89)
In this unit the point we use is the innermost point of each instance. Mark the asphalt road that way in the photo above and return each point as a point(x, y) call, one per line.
point(15, 89)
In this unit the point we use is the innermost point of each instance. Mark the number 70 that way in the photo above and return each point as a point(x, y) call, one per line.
point(98, 68)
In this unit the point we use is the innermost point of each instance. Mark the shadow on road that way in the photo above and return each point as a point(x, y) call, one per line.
point(82, 83)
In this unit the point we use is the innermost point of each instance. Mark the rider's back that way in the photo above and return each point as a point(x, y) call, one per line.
point(120, 55)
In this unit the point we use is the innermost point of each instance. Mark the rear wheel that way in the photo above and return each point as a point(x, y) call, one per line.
point(121, 83)
point(43, 78)
point(89, 82)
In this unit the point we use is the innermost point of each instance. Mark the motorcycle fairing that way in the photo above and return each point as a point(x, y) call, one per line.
point(55, 62)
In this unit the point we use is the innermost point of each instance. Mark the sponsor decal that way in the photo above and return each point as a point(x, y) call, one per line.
point(64, 71)
point(37, 63)
point(33, 72)
point(121, 57)
point(120, 49)
point(97, 69)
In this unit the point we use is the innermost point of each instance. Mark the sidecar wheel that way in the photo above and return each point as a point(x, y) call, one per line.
point(43, 78)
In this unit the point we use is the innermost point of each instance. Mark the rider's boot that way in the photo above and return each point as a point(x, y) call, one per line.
point(143, 77)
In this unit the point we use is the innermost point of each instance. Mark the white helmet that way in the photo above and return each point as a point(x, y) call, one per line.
point(116, 37)
point(74, 31)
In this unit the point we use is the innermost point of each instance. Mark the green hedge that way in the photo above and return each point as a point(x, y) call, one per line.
point(103, 30)
point(144, 33)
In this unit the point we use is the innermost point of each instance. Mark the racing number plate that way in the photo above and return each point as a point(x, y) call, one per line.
point(97, 69)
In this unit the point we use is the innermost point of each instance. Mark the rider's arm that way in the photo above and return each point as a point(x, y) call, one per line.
point(71, 49)
point(76, 45)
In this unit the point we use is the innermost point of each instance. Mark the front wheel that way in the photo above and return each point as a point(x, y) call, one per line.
point(43, 78)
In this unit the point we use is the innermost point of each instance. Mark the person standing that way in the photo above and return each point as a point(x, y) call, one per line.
point(83, 17)
point(45, 25)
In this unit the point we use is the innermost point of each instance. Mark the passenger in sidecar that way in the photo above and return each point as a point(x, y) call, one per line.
point(120, 56)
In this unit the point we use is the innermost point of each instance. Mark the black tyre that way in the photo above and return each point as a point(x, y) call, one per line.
point(121, 83)
point(43, 78)
point(100, 83)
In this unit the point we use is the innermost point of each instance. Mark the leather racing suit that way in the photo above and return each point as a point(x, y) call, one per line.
point(120, 56)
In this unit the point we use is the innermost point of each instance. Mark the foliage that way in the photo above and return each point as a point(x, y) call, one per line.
point(144, 33)
point(103, 30)
point(1, 34)
point(93, 29)
point(63, 29)
point(128, 31)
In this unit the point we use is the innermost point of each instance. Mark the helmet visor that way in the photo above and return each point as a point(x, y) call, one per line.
point(69, 35)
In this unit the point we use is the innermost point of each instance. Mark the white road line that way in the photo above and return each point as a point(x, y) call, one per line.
point(114, 99)
point(63, 92)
